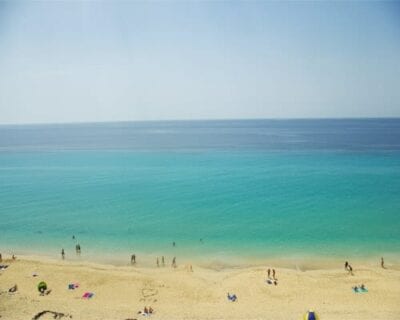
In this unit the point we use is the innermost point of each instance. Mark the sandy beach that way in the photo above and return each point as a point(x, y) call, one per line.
point(120, 292)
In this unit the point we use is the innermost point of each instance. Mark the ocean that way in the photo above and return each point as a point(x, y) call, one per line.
point(232, 190)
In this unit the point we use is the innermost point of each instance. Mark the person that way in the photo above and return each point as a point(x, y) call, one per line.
point(350, 269)
point(73, 237)
point(233, 297)
point(382, 263)
point(174, 262)
point(158, 262)
point(173, 244)
point(14, 257)
point(133, 259)
point(269, 273)
point(145, 311)
point(346, 265)
point(13, 289)
point(362, 287)
point(63, 253)
point(163, 261)
point(1, 258)
point(273, 274)
point(150, 310)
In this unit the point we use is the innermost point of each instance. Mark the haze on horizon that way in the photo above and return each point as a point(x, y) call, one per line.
point(127, 61)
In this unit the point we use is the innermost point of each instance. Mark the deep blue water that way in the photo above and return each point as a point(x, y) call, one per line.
point(256, 188)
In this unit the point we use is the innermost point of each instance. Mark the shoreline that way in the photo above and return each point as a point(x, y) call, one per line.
point(305, 263)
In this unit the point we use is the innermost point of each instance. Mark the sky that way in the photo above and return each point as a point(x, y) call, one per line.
point(127, 61)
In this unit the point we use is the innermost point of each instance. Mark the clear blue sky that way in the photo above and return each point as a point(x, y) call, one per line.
point(103, 61)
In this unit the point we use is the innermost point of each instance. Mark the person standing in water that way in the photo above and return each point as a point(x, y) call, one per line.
point(133, 259)
point(62, 254)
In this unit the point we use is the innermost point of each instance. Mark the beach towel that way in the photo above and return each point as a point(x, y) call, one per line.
point(87, 295)
point(359, 290)
point(73, 286)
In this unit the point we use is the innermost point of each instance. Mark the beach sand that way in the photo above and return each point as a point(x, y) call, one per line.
point(120, 292)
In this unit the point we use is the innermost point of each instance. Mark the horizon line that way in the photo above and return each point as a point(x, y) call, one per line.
point(199, 120)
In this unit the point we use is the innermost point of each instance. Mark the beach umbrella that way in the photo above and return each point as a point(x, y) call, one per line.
point(311, 315)
point(42, 286)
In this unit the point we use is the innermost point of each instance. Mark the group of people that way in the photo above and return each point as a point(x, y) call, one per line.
point(360, 288)
point(173, 264)
point(349, 268)
point(12, 257)
point(162, 261)
point(77, 249)
point(147, 311)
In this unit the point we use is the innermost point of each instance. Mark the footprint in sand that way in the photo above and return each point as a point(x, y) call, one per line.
point(149, 292)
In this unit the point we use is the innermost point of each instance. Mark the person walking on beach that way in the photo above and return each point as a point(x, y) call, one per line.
point(62, 254)
point(273, 274)
point(1, 258)
point(350, 270)
point(158, 263)
point(174, 262)
point(163, 261)
point(382, 262)
point(269, 273)
point(133, 259)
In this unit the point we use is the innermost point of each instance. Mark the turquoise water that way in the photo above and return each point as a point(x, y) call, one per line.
point(257, 189)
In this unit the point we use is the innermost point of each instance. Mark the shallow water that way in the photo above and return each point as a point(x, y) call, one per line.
point(249, 189)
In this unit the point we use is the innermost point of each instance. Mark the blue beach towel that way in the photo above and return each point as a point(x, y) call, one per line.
point(359, 290)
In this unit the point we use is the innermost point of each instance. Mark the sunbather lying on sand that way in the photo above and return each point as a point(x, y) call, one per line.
point(13, 289)
point(232, 298)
